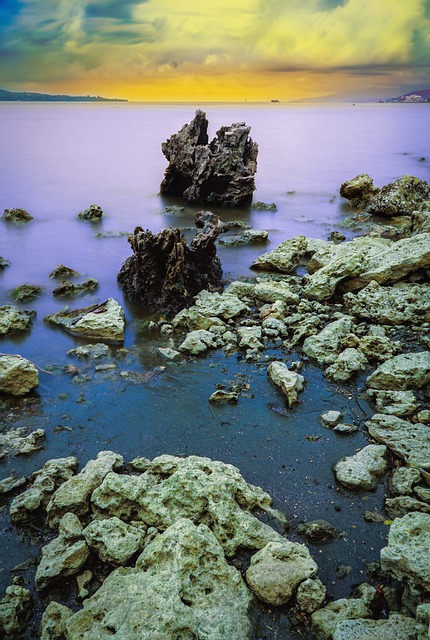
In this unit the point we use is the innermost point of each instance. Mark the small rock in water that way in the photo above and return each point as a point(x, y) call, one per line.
point(26, 292)
point(63, 272)
point(345, 428)
point(16, 215)
point(331, 418)
point(94, 213)
point(264, 206)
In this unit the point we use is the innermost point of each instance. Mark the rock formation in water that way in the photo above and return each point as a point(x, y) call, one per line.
point(165, 273)
point(221, 171)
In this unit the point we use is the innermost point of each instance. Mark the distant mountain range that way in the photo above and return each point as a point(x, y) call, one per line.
point(27, 96)
point(420, 95)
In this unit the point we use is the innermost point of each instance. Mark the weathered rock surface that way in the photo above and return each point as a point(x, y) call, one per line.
point(4, 263)
point(407, 552)
point(103, 321)
point(52, 625)
point(400, 198)
point(359, 190)
point(66, 288)
point(62, 272)
point(221, 171)
point(63, 556)
point(74, 494)
point(401, 505)
point(285, 258)
point(394, 403)
point(18, 442)
point(405, 371)
point(13, 319)
point(348, 362)
point(182, 585)
point(9, 484)
point(16, 215)
point(362, 470)
point(197, 342)
point(273, 291)
point(409, 440)
point(225, 305)
point(164, 273)
point(249, 236)
point(94, 213)
point(400, 304)
point(396, 626)
point(403, 479)
point(310, 595)
point(423, 621)
point(290, 382)
point(325, 346)
point(325, 621)
point(277, 570)
point(250, 337)
point(15, 609)
point(95, 351)
point(44, 482)
point(18, 376)
point(25, 293)
point(113, 540)
point(210, 492)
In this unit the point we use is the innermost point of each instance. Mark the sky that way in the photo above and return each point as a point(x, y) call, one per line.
point(188, 50)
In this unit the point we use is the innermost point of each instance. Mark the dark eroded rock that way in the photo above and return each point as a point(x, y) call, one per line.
point(16, 215)
point(94, 213)
point(401, 197)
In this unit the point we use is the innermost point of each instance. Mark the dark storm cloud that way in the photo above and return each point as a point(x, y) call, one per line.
point(116, 9)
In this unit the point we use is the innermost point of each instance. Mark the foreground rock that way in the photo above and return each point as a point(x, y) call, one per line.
point(405, 371)
point(364, 469)
point(181, 585)
point(396, 626)
point(409, 440)
point(15, 610)
point(18, 376)
point(14, 320)
point(400, 198)
point(285, 258)
point(400, 304)
point(359, 191)
point(221, 171)
point(103, 321)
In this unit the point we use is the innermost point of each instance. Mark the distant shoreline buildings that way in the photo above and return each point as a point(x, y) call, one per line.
point(28, 96)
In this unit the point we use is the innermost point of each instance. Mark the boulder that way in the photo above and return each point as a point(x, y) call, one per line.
point(74, 494)
point(13, 320)
point(359, 191)
point(325, 346)
point(396, 626)
point(15, 610)
point(16, 215)
point(221, 171)
point(409, 440)
point(18, 376)
point(403, 480)
point(348, 362)
point(250, 338)
point(407, 552)
point(18, 442)
point(278, 569)
point(224, 306)
point(400, 198)
point(325, 621)
point(249, 236)
point(310, 595)
point(273, 291)
point(403, 303)
point(405, 371)
point(94, 213)
point(362, 470)
point(164, 273)
point(197, 488)
point(378, 347)
point(394, 403)
point(113, 540)
point(290, 382)
point(285, 258)
point(53, 621)
point(103, 321)
point(64, 555)
point(181, 586)
point(331, 418)
point(197, 342)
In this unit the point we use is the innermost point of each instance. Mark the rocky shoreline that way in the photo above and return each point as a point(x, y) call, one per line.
point(153, 545)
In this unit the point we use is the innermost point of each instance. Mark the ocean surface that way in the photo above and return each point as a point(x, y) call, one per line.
point(55, 161)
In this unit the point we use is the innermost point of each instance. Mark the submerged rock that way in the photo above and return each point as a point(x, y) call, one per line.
point(16, 215)
point(66, 288)
point(364, 469)
point(103, 321)
point(17, 442)
point(18, 376)
point(181, 586)
point(221, 171)
point(359, 191)
point(94, 213)
point(26, 292)
point(249, 236)
point(401, 197)
point(164, 273)
point(13, 319)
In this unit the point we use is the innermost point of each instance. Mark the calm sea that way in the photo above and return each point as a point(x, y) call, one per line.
point(56, 160)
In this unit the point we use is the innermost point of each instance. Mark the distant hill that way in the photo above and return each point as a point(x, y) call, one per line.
point(27, 96)
point(419, 95)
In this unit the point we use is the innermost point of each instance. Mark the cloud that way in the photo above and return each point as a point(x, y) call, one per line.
point(116, 9)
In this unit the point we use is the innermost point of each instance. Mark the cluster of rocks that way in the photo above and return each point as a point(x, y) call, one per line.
point(221, 171)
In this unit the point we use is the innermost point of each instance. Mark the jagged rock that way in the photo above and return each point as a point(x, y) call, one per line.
point(44, 482)
point(53, 621)
point(113, 540)
point(399, 198)
point(310, 595)
point(16, 215)
point(94, 213)
point(221, 171)
point(66, 288)
point(405, 371)
point(325, 621)
point(317, 530)
point(423, 621)
point(273, 291)
point(421, 220)
point(395, 263)
point(4, 263)
point(225, 305)
point(249, 236)
point(197, 342)
point(394, 403)
point(9, 484)
point(409, 440)
point(26, 292)
point(359, 191)
point(403, 480)
point(290, 382)
point(278, 569)
point(18, 376)
point(164, 273)
point(285, 258)
point(64, 555)
point(274, 327)
point(250, 338)
point(169, 354)
point(15, 610)
point(181, 586)
point(362, 470)
point(396, 626)
point(347, 363)
point(63, 272)
point(326, 252)
point(221, 397)
point(197, 488)
point(401, 505)
point(17, 442)
point(242, 290)
point(13, 319)
point(400, 304)
point(325, 346)
point(331, 418)
point(379, 348)
point(74, 494)
point(103, 321)
point(407, 552)
point(264, 206)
